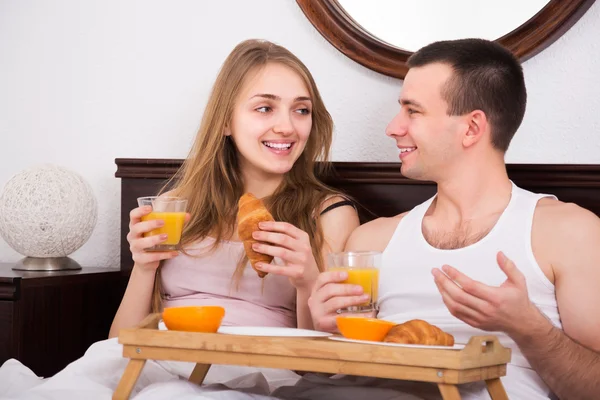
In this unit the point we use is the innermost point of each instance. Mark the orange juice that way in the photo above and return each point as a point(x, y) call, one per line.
point(172, 227)
point(367, 277)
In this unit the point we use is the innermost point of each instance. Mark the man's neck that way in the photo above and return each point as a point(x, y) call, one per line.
point(469, 193)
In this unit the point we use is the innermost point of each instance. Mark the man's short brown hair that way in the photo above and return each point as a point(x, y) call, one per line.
point(486, 77)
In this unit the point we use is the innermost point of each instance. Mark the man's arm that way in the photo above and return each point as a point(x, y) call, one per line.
point(568, 237)
point(571, 370)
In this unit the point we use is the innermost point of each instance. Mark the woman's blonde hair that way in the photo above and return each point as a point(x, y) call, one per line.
point(210, 177)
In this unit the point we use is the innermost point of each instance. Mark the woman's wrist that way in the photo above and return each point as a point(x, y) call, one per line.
point(143, 272)
point(305, 291)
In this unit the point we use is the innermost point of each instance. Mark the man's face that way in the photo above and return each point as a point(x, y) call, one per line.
point(428, 138)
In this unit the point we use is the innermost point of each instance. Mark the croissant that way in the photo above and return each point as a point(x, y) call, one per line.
point(251, 211)
point(417, 331)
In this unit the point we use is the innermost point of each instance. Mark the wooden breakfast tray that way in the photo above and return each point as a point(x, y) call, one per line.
point(482, 359)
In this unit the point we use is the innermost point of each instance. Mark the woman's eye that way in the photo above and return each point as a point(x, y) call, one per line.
point(264, 109)
point(303, 111)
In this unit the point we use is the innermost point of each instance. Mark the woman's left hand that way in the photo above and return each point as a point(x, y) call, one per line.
point(292, 245)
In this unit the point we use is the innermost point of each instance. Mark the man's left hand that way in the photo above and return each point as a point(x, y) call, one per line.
point(499, 309)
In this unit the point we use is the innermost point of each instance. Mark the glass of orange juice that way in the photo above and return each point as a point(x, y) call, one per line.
point(172, 211)
point(363, 270)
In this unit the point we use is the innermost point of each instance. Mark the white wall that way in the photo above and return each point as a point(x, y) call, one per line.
point(85, 82)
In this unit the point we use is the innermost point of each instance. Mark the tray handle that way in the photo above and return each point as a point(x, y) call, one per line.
point(483, 344)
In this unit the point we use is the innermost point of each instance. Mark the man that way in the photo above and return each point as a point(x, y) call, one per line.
point(483, 254)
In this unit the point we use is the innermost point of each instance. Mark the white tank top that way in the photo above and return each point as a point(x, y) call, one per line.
point(407, 289)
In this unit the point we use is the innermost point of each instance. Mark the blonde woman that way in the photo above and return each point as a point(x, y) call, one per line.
point(264, 128)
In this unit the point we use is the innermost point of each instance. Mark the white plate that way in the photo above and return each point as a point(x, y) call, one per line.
point(413, 346)
point(270, 331)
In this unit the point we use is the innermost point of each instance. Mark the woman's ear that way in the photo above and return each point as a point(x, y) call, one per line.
point(227, 131)
point(477, 125)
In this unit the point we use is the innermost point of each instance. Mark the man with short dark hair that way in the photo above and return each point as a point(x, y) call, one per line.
point(483, 254)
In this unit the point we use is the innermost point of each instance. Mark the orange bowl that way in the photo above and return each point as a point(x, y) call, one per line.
point(361, 328)
point(193, 318)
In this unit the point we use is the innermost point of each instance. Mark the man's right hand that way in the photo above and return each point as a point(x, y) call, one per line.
point(146, 260)
point(329, 295)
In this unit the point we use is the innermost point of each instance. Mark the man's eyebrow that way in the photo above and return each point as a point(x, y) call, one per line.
point(277, 98)
point(409, 102)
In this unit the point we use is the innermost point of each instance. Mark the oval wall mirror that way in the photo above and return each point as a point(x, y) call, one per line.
point(382, 34)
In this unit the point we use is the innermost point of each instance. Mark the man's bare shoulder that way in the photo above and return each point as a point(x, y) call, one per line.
point(374, 235)
point(565, 226)
point(565, 218)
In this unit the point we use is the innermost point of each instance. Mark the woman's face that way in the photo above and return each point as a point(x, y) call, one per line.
point(271, 122)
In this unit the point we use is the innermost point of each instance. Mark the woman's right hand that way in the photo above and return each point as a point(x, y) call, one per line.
point(146, 260)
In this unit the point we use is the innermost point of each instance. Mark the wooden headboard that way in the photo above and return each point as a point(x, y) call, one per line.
point(379, 188)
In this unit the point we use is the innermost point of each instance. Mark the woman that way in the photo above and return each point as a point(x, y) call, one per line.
point(264, 128)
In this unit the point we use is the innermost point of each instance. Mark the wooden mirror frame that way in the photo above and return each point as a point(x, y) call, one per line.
point(351, 39)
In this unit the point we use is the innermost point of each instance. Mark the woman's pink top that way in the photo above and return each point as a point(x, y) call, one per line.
point(206, 278)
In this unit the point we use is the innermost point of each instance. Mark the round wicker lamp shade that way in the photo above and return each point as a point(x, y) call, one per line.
point(46, 213)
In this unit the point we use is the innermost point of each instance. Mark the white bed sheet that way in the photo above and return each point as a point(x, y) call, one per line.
point(96, 375)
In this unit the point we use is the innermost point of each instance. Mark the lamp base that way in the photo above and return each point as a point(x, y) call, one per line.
point(46, 264)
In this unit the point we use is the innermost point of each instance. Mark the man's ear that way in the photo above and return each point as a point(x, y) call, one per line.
point(477, 126)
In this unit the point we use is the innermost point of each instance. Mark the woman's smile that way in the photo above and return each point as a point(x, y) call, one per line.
point(282, 148)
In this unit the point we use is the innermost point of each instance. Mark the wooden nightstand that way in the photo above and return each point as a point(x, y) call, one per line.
point(49, 319)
